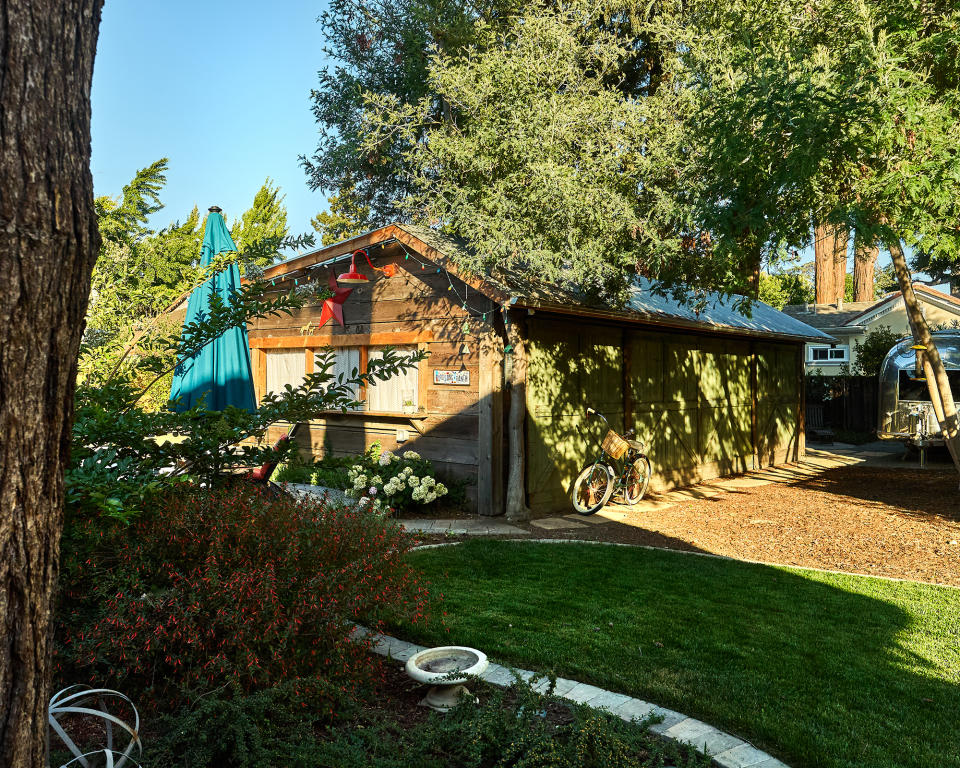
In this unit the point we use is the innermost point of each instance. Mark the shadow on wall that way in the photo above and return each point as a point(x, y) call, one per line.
point(690, 399)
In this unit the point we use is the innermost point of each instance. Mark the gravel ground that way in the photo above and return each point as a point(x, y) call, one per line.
point(880, 521)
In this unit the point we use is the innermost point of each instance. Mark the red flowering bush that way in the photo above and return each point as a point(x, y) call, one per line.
point(232, 587)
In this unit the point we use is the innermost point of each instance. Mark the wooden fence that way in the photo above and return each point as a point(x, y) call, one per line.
point(852, 403)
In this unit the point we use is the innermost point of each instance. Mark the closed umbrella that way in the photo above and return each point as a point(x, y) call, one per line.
point(220, 372)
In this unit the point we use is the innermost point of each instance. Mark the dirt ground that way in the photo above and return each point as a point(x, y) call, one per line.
point(874, 520)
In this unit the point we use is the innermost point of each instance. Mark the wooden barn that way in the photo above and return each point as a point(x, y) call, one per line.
point(500, 402)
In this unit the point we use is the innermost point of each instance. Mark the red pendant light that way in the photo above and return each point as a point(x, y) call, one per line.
point(353, 276)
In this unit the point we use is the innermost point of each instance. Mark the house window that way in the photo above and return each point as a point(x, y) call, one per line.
point(398, 394)
point(285, 366)
point(827, 355)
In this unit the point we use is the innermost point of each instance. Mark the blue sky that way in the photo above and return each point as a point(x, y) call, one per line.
point(220, 88)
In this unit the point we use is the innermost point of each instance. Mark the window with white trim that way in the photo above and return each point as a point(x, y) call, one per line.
point(825, 354)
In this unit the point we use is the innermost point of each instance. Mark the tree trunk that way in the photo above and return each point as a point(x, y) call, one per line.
point(841, 237)
point(823, 264)
point(941, 395)
point(516, 486)
point(864, 262)
point(48, 246)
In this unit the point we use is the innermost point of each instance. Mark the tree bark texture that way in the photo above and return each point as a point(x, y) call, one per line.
point(941, 394)
point(516, 502)
point(48, 246)
point(823, 264)
point(864, 263)
point(841, 237)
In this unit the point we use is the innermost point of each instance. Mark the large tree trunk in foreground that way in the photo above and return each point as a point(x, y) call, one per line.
point(823, 264)
point(841, 237)
point(516, 486)
point(48, 245)
point(864, 263)
point(938, 384)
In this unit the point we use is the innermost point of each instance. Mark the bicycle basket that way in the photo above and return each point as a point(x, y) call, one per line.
point(614, 445)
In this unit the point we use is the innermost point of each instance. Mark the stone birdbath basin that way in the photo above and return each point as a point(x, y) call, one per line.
point(445, 669)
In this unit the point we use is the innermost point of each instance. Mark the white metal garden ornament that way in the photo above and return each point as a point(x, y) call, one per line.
point(77, 700)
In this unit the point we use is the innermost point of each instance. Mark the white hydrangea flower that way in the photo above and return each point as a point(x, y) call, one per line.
point(407, 471)
point(411, 455)
point(440, 489)
point(413, 481)
point(430, 498)
point(359, 482)
point(429, 481)
point(385, 458)
point(376, 480)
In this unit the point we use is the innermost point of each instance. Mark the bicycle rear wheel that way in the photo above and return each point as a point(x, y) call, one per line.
point(638, 480)
point(592, 489)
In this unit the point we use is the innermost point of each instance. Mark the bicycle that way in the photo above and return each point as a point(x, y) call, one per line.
point(598, 482)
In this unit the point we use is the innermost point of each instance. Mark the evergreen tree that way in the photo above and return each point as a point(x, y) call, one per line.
point(264, 222)
point(347, 217)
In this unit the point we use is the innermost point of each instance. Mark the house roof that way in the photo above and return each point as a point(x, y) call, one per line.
point(857, 313)
point(827, 315)
point(519, 290)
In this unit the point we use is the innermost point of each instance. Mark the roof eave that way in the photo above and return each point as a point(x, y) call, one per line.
point(649, 318)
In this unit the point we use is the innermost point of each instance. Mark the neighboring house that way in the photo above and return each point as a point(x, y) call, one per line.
point(850, 322)
point(711, 393)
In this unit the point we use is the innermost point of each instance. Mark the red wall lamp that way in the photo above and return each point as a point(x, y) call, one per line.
point(354, 277)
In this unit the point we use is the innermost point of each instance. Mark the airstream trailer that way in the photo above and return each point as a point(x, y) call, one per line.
point(906, 412)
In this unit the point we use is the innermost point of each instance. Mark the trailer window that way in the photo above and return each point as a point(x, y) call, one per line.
point(912, 389)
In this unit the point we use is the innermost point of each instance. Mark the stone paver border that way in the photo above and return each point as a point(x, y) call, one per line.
point(725, 750)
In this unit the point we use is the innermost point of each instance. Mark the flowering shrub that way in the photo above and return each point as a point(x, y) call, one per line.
point(394, 482)
point(232, 587)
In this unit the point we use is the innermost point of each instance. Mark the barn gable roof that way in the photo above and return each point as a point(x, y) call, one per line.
point(718, 314)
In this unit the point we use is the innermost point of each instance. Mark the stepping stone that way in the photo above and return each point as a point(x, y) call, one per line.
point(592, 519)
point(555, 523)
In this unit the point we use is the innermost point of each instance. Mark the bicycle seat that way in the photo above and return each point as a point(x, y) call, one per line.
point(636, 445)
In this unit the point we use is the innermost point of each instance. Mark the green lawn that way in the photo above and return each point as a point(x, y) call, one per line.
point(818, 669)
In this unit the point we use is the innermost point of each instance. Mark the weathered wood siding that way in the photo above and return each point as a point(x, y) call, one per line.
point(690, 397)
point(415, 303)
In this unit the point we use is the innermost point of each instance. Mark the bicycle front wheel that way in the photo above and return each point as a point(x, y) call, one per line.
point(592, 489)
point(638, 480)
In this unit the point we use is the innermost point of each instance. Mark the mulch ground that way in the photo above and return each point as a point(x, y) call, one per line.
point(872, 520)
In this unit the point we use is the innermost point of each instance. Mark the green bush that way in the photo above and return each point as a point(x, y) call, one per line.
point(512, 727)
point(233, 587)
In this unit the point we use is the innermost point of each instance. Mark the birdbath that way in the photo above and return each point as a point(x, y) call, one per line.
point(445, 669)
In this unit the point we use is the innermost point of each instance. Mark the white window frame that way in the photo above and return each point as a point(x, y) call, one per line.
point(837, 354)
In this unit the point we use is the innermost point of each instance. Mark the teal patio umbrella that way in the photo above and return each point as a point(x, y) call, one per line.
point(220, 372)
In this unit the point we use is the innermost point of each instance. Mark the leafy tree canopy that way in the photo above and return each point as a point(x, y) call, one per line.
point(347, 217)
point(380, 47)
point(545, 165)
point(788, 287)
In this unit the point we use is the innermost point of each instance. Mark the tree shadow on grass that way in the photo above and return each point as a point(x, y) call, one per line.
point(820, 669)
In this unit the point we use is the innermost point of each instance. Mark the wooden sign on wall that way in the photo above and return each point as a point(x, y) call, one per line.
point(456, 378)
